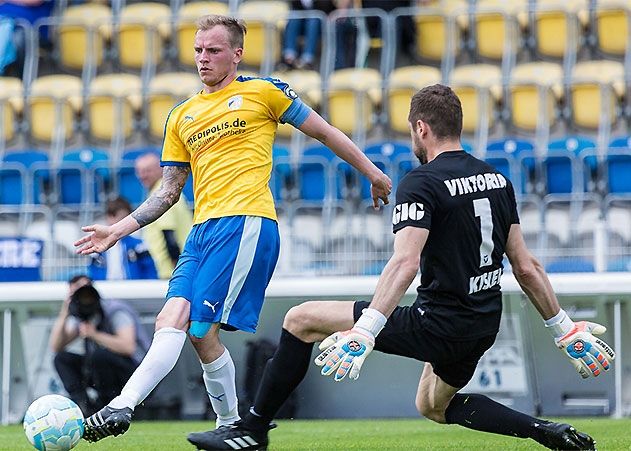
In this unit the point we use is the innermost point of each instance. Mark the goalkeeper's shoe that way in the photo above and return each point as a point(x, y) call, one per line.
point(107, 421)
point(561, 436)
point(233, 437)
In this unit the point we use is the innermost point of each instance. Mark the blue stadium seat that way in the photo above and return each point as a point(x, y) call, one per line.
point(621, 142)
point(321, 175)
point(558, 165)
point(128, 184)
point(619, 173)
point(569, 265)
point(280, 180)
point(82, 176)
point(620, 265)
point(394, 158)
point(508, 154)
point(187, 191)
point(22, 177)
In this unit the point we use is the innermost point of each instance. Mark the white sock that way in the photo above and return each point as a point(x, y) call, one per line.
point(219, 378)
point(160, 359)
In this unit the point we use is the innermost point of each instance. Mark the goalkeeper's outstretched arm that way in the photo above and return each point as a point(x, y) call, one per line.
point(587, 353)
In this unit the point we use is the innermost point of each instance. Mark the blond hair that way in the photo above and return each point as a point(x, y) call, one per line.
point(236, 27)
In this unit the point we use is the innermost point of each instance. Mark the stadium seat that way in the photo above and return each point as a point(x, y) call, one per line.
point(393, 158)
point(479, 87)
point(556, 28)
point(54, 101)
point(436, 37)
point(584, 150)
point(108, 93)
point(568, 265)
point(22, 177)
point(353, 97)
point(402, 84)
point(530, 83)
point(11, 106)
point(507, 155)
point(591, 80)
point(165, 91)
point(308, 85)
point(82, 32)
point(495, 30)
point(128, 184)
point(82, 176)
point(186, 26)
point(619, 172)
point(321, 176)
point(620, 265)
point(262, 42)
point(611, 20)
point(143, 28)
point(280, 180)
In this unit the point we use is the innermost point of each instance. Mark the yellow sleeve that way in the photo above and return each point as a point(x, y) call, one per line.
point(174, 151)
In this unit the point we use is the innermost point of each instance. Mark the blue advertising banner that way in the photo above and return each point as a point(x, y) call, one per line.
point(20, 259)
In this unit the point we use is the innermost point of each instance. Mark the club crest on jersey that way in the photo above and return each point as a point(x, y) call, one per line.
point(235, 102)
point(290, 92)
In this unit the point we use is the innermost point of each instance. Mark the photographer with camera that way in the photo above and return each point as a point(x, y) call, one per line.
point(114, 339)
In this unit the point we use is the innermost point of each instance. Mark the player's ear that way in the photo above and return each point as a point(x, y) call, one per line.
point(238, 54)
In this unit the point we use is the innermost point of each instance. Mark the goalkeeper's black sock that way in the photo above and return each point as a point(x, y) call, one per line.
point(282, 374)
point(478, 412)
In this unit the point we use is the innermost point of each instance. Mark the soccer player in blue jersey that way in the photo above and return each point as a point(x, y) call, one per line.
point(224, 135)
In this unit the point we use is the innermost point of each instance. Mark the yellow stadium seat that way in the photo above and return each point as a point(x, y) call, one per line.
point(432, 29)
point(612, 26)
point(186, 26)
point(165, 91)
point(108, 93)
point(308, 85)
point(11, 103)
point(479, 87)
point(78, 25)
point(54, 101)
point(557, 25)
point(402, 84)
point(142, 25)
point(496, 27)
point(527, 81)
point(590, 81)
point(265, 20)
point(353, 96)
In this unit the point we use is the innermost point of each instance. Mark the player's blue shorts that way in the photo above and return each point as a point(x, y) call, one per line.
point(224, 269)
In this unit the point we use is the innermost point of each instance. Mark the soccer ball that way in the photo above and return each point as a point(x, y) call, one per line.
point(53, 423)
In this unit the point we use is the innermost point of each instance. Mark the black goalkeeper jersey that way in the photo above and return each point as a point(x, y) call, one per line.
point(468, 208)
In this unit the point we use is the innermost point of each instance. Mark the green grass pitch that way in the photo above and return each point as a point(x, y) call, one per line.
point(333, 435)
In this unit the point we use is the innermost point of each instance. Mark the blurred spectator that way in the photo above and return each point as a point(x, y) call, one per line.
point(345, 37)
point(166, 236)
point(129, 258)
point(406, 36)
point(310, 29)
point(115, 342)
point(13, 38)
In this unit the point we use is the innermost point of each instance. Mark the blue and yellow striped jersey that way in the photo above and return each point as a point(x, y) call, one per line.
point(226, 137)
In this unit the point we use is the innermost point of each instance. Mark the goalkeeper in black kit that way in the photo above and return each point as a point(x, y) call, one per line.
point(455, 217)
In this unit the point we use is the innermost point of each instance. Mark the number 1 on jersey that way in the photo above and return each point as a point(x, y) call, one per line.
point(482, 209)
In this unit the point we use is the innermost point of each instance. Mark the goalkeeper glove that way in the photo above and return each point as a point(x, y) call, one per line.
point(344, 352)
point(577, 341)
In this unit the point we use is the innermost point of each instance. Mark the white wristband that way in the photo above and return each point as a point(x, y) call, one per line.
point(371, 320)
point(560, 324)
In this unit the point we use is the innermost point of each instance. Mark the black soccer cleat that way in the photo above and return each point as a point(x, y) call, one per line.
point(233, 437)
point(561, 436)
point(107, 421)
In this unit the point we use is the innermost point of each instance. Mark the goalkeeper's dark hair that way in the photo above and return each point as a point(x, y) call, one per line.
point(440, 107)
point(78, 277)
point(236, 27)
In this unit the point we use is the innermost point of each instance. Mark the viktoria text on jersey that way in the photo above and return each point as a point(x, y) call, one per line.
point(475, 183)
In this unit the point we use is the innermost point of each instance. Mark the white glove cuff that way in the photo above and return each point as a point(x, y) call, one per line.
point(560, 324)
point(371, 320)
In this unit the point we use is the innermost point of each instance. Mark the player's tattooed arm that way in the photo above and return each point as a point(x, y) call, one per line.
point(173, 180)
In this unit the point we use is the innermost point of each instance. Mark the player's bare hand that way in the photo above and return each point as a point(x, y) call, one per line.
point(100, 239)
point(380, 189)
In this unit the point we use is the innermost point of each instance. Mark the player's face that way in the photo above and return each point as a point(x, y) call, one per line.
point(418, 147)
point(214, 57)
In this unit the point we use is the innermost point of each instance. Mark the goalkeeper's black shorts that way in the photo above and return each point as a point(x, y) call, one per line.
point(405, 334)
